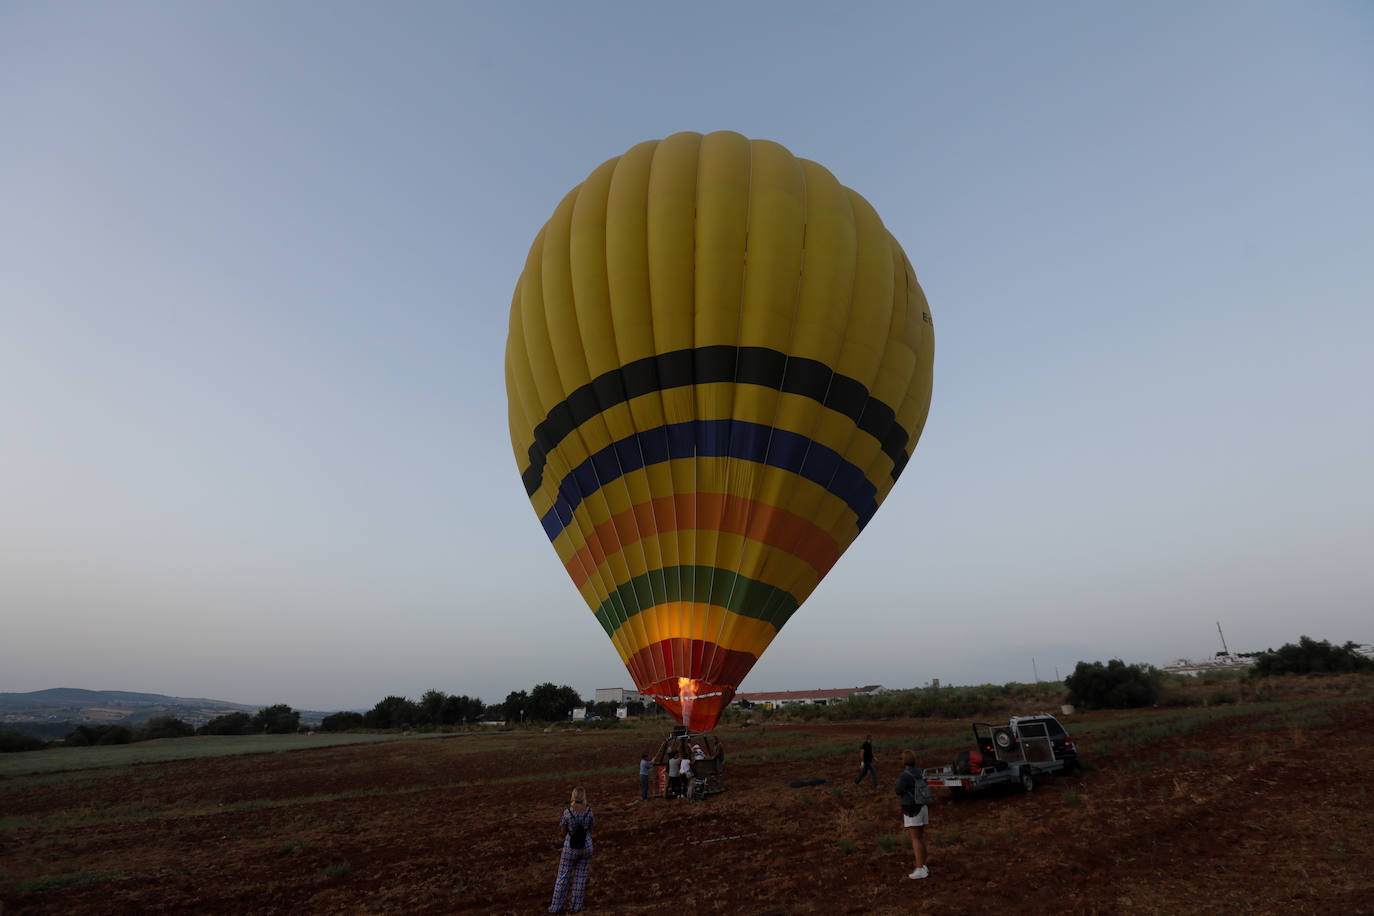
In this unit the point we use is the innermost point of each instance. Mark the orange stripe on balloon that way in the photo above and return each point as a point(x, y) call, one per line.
point(757, 521)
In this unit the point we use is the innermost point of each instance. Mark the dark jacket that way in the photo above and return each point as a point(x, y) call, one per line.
point(911, 787)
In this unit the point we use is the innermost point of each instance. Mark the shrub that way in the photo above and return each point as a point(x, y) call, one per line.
point(277, 720)
point(234, 723)
point(166, 727)
point(88, 735)
point(115, 734)
point(11, 742)
point(1311, 657)
point(392, 712)
point(1115, 685)
point(341, 721)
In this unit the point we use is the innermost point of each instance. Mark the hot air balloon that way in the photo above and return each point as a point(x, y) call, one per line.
point(718, 364)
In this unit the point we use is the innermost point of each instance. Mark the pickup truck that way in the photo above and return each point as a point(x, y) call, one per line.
point(1020, 751)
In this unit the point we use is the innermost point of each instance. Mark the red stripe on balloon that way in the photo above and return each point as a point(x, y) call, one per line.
point(726, 668)
point(755, 520)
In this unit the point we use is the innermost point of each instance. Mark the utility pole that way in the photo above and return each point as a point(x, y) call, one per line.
point(1224, 650)
point(1035, 670)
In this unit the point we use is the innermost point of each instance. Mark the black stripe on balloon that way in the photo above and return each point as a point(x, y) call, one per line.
point(706, 365)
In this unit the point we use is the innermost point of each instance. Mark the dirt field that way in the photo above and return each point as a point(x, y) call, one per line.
point(1260, 808)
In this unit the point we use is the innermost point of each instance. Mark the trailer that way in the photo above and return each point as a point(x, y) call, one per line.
point(1019, 752)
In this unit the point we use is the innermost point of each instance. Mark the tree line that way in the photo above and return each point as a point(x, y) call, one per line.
point(545, 702)
point(1117, 685)
point(272, 720)
point(1092, 685)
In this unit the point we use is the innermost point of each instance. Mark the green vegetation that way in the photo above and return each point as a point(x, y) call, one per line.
point(1092, 685)
point(234, 723)
point(276, 720)
point(985, 700)
point(846, 846)
point(1136, 732)
point(61, 759)
point(393, 712)
point(1115, 685)
point(1311, 657)
point(11, 742)
point(99, 735)
point(337, 869)
point(947, 838)
point(546, 703)
point(165, 727)
point(341, 721)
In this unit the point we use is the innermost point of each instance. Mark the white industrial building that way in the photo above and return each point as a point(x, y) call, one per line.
point(821, 697)
point(618, 695)
point(1216, 663)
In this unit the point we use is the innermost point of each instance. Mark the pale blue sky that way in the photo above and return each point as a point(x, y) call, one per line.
point(256, 261)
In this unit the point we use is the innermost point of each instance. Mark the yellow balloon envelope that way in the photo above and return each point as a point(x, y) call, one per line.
point(719, 362)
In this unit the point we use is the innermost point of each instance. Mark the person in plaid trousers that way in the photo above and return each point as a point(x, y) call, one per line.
point(575, 861)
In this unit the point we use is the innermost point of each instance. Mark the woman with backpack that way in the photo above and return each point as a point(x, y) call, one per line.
point(576, 827)
point(915, 800)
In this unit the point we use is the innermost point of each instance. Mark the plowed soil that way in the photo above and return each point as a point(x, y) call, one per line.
point(1261, 809)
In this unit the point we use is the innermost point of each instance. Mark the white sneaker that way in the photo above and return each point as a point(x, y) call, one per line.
point(921, 872)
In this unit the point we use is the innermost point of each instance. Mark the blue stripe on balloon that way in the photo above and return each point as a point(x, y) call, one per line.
point(714, 439)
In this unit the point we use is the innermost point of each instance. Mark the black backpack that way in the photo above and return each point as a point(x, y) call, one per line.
point(577, 837)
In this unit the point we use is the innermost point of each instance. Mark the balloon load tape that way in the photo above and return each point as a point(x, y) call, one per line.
point(695, 703)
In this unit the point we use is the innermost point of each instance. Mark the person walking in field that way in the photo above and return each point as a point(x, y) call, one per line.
point(576, 860)
point(866, 762)
point(915, 800)
point(645, 768)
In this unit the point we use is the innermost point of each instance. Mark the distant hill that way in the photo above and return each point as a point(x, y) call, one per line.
point(66, 697)
point(53, 713)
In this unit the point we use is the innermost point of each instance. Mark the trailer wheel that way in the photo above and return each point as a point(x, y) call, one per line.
point(1027, 780)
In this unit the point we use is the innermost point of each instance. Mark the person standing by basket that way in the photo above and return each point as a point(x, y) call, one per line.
point(688, 780)
point(674, 776)
point(915, 800)
point(645, 768)
point(576, 860)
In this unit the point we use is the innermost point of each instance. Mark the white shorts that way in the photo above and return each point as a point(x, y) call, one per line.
point(919, 820)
